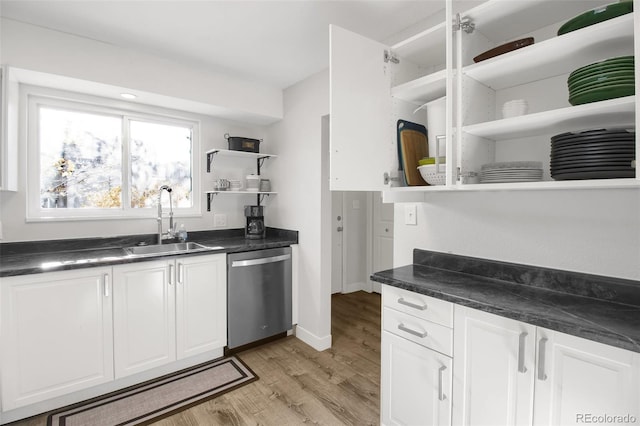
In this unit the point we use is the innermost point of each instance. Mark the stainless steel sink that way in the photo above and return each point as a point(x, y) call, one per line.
point(173, 248)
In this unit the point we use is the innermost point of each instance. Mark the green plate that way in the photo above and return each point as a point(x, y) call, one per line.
point(602, 94)
point(600, 78)
point(604, 69)
point(626, 60)
point(612, 83)
point(600, 67)
point(597, 15)
point(601, 70)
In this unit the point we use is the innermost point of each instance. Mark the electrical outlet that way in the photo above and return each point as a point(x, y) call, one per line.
point(410, 213)
point(219, 220)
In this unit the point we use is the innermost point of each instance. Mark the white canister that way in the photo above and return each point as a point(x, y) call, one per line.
point(253, 183)
point(437, 126)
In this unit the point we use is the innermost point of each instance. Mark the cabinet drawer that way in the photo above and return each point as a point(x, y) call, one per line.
point(429, 308)
point(425, 333)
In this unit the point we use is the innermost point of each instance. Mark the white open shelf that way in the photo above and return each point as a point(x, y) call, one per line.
point(423, 47)
point(556, 56)
point(619, 112)
point(422, 90)
point(243, 154)
point(241, 192)
point(553, 185)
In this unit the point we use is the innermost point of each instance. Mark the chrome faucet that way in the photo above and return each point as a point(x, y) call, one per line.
point(171, 232)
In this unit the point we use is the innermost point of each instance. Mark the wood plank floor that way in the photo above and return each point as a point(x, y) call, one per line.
point(299, 385)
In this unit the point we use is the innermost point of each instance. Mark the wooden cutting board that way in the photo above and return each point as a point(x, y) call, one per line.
point(413, 146)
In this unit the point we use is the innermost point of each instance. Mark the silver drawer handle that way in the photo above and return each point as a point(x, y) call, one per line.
point(441, 395)
point(410, 331)
point(260, 260)
point(542, 345)
point(521, 349)
point(411, 305)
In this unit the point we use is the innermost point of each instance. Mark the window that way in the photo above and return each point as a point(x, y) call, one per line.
point(96, 161)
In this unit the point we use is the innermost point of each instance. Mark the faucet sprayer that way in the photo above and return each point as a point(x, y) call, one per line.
point(171, 226)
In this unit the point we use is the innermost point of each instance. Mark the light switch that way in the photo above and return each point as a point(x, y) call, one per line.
point(410, 212)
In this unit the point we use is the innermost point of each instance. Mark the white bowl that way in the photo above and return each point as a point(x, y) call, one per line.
point(429, 174)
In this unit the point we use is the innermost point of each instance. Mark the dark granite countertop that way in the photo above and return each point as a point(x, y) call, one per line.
point(603, 309)
point(33, 257)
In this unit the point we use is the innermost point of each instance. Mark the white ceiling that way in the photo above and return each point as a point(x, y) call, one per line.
point(277, 43)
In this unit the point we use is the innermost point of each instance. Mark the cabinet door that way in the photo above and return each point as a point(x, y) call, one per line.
point(493, 369)
point(201, 304)
point(362, 145)
point(578, 380)
point(56, 335)
point(416, 384)
point(143, 316)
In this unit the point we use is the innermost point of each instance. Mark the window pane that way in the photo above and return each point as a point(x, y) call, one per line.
point(80, 159)
point(160, 155)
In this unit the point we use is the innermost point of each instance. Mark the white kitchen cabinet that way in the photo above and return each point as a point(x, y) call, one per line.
point(577, 378)
point(201, 304)
point(143, 316)
point(372, 86)
point(369, 95)
point(511, 373)
point(416, 365)
point(56, 334)
point(493, 369)
point(166, 310)
point(415, 384)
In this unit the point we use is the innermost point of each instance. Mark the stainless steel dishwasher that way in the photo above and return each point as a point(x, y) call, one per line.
point(258, 295)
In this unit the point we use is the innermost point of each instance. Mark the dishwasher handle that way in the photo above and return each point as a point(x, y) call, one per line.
point(260, 260)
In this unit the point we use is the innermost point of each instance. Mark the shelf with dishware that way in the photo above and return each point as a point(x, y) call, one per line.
point(568, 84)
point(257, 156)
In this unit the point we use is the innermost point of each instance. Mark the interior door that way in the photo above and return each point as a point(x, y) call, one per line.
point(362, 148)
point(382, 237)
point(337, 232)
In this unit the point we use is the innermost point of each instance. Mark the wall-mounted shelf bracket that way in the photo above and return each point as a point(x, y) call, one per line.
point(210, 200)
point(210, 160)
point(260, 198)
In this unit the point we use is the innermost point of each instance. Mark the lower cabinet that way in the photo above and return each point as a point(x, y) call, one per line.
point(63, 332)
point(168, 309)
point(56, 334)
point(415, 384)
point(511, 373)
point(501, 371)
point(143, 316)
point(416, 366)
point(493, 369)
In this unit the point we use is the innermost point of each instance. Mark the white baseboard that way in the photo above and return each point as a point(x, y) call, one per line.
point(352, 287)
point(317, 343)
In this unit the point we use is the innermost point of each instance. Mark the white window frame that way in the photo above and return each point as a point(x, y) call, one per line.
point(34, 97)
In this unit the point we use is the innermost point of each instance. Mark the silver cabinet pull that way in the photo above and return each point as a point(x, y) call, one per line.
point(410, 331)
point(106, 285)
point(411, 305)
point(170, 274)
point(180, 273)
point(542, 345)
point(521, 349)
point(441, 395)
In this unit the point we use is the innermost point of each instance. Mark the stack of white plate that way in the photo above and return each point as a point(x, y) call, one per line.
point(511, 171)
point(515, 108)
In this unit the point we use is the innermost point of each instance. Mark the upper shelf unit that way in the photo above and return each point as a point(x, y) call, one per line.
point(556, 56)
point(423, 89)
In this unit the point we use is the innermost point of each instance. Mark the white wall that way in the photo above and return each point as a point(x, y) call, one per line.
point(88, 64)
point(591, 231)
point(40, 49)
point(297, 175)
